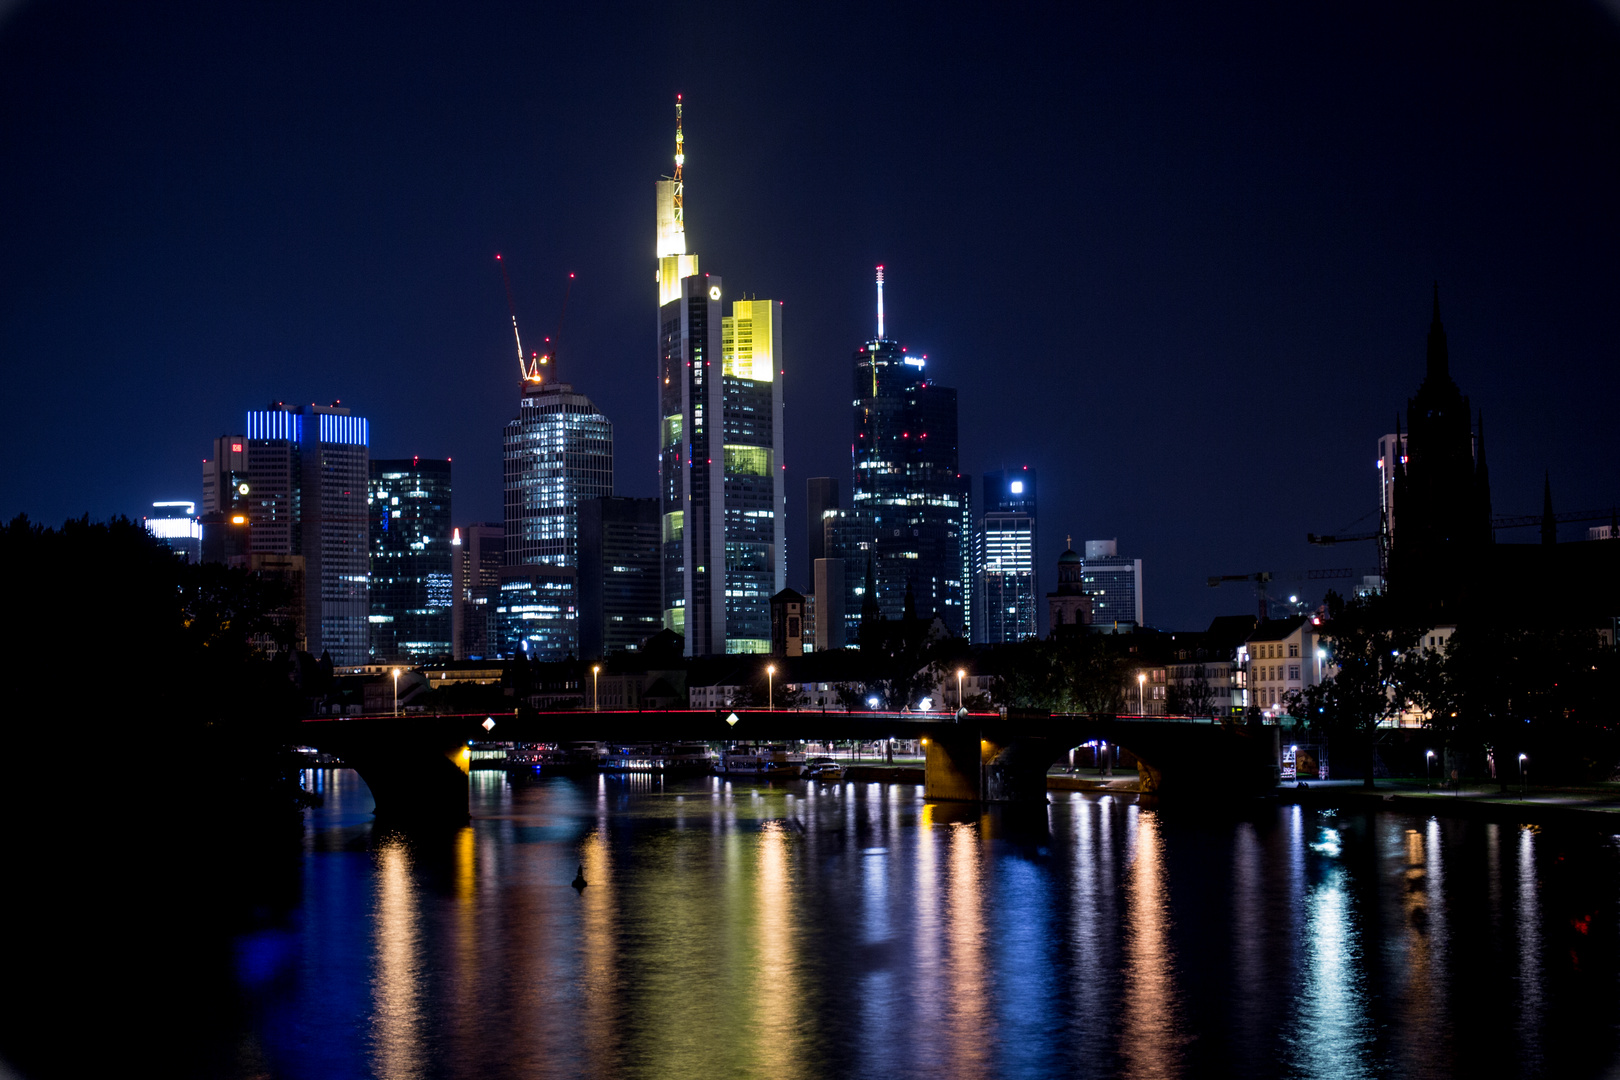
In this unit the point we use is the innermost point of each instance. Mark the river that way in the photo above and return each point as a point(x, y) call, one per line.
point(789, 929)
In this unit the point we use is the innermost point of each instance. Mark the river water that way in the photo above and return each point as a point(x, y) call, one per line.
point(788, 929)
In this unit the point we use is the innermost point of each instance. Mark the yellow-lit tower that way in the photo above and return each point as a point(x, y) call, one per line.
point(721, 480)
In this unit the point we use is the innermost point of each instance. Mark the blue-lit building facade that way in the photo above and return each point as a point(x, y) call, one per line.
point(174, 525)
point(411, 559)
point(905, 480)
point(308, 472)
point(1005, 560)
point(557, 452)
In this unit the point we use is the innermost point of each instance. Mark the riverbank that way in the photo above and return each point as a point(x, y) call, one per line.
point(1597, 806)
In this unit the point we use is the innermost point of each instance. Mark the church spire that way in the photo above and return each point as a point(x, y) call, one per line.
point(1439, 360)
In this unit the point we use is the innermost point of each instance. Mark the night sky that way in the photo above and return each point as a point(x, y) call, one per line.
point(1176, 258)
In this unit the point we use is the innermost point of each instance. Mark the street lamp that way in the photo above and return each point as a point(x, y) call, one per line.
point(1141, 710)
point(396, 691)
point(596, 699)
point(770, 687)
point(1428, 769)
point(1524, 762)
point(960, 708)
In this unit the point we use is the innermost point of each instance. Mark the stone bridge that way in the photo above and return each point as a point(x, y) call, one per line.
point(417, 765)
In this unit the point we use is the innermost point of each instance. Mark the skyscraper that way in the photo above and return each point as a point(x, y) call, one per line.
point(618, 575)
point(175, 525)
point(1114, 585)
point(477, 554)
point(410, 559)
point(558, 453)
point(821, 495)
point(1005, 559)
point(720, 446)
point(307, 478)
point(906, 481)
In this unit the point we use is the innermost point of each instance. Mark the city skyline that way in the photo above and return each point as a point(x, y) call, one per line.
point(1198, 279)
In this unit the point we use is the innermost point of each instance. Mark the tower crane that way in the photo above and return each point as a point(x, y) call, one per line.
point(529, 367)
point(1263, 578)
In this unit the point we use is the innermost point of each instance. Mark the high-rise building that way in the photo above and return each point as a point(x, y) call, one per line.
point(411, 559)
point(906, 479)
point(830, 596)
point(723, 498)
point(537, 612)
point(558, 453)
point(225, 475)
point(176, 527)
point(850, 546)
point(477, 554)
point(1005, 559)
point(821, 495)
point(618, 575)
point(307, 478)
point(1114, 585)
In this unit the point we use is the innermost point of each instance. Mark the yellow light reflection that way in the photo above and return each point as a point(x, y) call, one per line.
point(1151, 1041)
point(776, 1024)
point(396, 987)
point(968, 1019)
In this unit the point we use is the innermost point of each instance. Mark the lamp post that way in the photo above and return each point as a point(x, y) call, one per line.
point(396, 691)
point(1524, 767)
point(1428, 769)
point(596, 699)
point(960, 708)
point(1141, 710)
point(770, 687)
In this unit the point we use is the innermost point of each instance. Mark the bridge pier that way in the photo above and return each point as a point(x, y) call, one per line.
point(412, 784)
point(969, 766)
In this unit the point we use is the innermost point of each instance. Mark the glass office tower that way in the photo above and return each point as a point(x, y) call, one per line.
point(721, 490)
point(411, 565)
point(906, 482)
point(558, 452)
point(1005, 559)
point(308, 470)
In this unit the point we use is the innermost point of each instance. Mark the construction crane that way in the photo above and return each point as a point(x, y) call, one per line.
point(1521, 521)
point(529, 367)
point(1263, 578)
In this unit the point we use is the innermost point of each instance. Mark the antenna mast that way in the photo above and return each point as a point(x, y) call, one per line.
point(680, 161)
point(880, 303)
point(512, 307)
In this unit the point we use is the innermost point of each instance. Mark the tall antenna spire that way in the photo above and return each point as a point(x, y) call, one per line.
point(880, 303)
point(680, 162)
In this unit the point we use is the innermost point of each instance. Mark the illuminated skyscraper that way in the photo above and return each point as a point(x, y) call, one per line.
point(477, 555)
point(906, 481)
point(720, 447)
point(1005, 559)
point(410, 559)
point(558, 452)
point(307, 476)
point(175, 526)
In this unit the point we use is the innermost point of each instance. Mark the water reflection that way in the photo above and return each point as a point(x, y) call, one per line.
point(397, 987)
point(783, 930)
point(1152, 1036)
